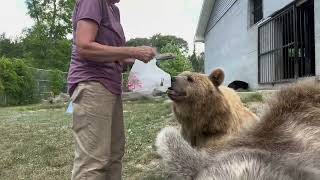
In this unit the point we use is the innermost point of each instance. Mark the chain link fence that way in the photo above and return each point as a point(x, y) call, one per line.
point(43, 86)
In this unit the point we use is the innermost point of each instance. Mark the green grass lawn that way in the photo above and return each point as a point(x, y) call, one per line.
point(36, 141)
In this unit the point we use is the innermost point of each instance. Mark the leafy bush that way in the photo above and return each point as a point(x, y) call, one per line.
point(57, 81)
point(16, 81)
point(178, 65)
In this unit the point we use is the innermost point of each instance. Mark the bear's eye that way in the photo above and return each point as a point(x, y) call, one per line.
point(190, 79)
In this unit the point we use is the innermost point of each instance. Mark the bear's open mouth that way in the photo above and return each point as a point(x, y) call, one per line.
point(175, 95)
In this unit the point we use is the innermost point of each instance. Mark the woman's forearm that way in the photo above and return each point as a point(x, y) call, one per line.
point(91, 50)
point(102, 53)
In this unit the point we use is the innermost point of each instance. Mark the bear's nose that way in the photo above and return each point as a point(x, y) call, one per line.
point(173, 79)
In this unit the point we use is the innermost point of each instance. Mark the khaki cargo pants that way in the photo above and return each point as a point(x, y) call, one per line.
point(98, 132)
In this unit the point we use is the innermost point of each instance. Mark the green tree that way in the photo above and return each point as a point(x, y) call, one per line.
point(179, 64)
point(10, 48)
point(46, 44)
point(197, 61)
point(43, 52)
point(139, 42)
point(161, 41)
point(53, 15)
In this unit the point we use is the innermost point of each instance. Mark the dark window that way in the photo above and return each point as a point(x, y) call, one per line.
point(256, 11)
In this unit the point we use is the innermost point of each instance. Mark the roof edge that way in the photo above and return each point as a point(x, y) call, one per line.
point(204, 17)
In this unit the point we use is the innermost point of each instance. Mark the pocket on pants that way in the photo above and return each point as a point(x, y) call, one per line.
point(80, 120)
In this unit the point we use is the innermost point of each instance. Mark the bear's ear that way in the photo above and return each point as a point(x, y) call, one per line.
point(217, 77)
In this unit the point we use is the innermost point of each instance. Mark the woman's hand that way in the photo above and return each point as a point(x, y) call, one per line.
point(144, 53)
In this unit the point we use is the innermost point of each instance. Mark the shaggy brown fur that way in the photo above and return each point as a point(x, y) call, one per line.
point(284, 144)
point(209, 114)
point(294, 113)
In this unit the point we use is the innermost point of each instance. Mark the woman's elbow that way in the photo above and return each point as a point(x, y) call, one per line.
point(83, 44)
point(82, 53)
point(83, 49)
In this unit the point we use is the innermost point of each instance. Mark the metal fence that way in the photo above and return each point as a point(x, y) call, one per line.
point(43, 83)
point(286, 45)
point(42, 90)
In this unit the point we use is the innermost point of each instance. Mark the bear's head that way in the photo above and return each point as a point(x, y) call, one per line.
point(192, 87)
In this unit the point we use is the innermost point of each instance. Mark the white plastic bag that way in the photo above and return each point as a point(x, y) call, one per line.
point(145, 78)
point(70, 108)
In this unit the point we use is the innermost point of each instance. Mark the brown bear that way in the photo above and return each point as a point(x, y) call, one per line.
point(283, 145)
point(209, 113)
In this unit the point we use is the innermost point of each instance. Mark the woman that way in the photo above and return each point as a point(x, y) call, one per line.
point(98, 56)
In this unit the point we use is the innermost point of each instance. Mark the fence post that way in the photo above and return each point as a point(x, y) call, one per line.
point(5, 99)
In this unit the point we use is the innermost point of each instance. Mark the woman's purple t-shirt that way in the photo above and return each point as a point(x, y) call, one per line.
point(110, 33)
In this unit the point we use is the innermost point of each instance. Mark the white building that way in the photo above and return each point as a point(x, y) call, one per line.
point(262, 42)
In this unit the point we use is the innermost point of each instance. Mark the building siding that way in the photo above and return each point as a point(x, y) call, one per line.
point(222, 6)
point(232, 45)
point(219, 9)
